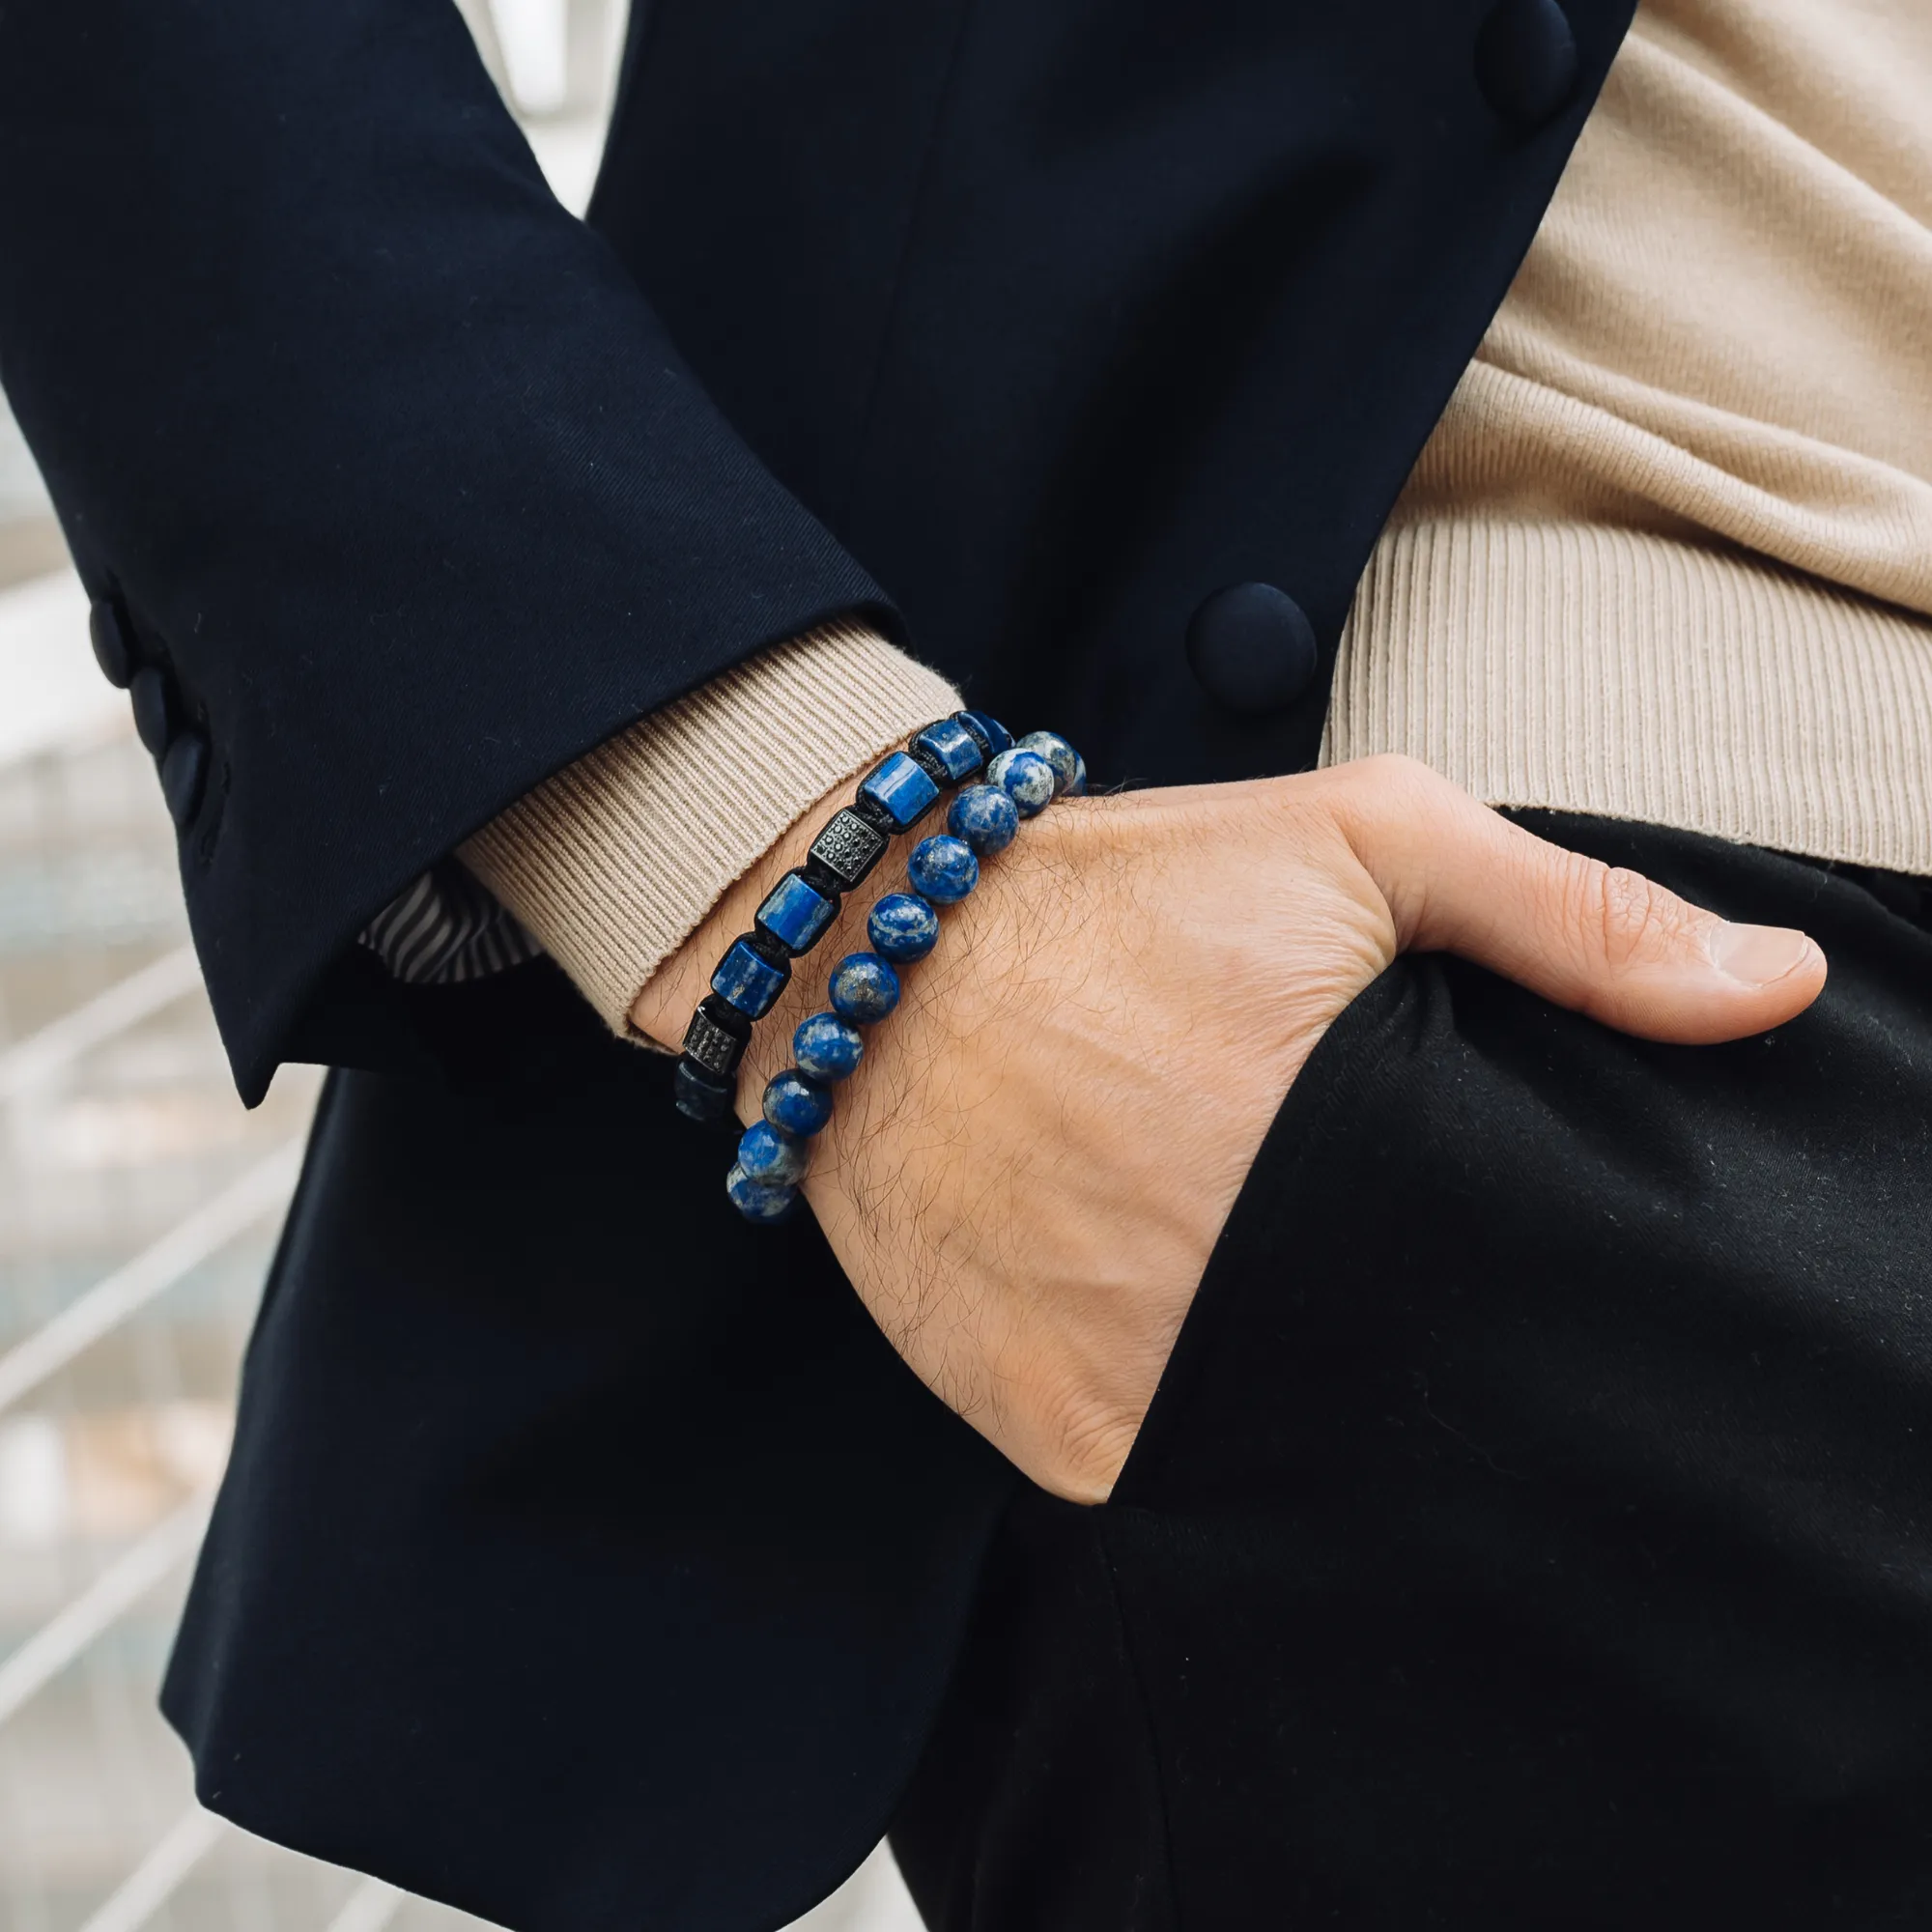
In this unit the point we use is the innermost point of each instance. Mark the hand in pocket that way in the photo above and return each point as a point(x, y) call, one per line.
point(1026, 1177)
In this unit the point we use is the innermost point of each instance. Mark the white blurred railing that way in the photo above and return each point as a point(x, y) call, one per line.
point(370, 1907)
point(49, 1650)
point(158, 1877)
point(58, 1044)
point(264, 1188)
point(261, 1190)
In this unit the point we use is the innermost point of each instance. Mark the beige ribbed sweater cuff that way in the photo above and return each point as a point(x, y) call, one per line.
point(614, 862)
point(1629, 675)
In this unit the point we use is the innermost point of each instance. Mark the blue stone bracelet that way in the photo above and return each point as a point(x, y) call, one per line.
point(1022, 779)
point(797, 911)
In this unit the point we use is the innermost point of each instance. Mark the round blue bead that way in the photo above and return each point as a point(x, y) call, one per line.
point(1025, 778)
point(826, 1047)
point(902, 927)
point(864, 988)
point(1070, 767)
point(796, 1105)
point(773, 1157)
point(943, 870)
point(759, 1199)
point(985, 818)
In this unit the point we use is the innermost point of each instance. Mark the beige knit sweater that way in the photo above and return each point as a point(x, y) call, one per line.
point(1669, 554)
point(1668, 557)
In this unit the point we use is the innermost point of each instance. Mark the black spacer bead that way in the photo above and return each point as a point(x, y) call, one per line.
point(847, 848)
point(700, 1094)
point(874, 815)
point(715, 1039)
point(769, 946)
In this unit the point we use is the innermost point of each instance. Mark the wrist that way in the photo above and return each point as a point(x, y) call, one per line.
point(663, 1006)
point(662, 1009)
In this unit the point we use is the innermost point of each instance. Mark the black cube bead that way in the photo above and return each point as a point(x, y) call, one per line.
point(848, 848)
point(715, 1048)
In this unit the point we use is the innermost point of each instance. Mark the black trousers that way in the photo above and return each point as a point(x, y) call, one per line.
point(1534, 1524)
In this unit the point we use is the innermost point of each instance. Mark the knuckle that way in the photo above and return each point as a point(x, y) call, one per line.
point(1392, 775)
point(1628, 916)
point(1089, 1447)
point(1401, 768)
point(1386, 790)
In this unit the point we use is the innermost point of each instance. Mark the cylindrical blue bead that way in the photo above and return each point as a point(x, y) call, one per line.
point(759, 1199)
point(985, 818)
point(864, 988)
point(1025, 778)
point(826, 1047)
point(902, 927)
point(943, 870)
point(998, 738)
point(796, 913)
point(954, 746)
point(748, 983)
point(773, 1157)
point(795, 1104)
point(1070, 767)
point(900, 790)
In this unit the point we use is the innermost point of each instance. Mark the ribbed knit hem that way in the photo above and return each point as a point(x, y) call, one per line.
point(1606, 671)
point(614, 862)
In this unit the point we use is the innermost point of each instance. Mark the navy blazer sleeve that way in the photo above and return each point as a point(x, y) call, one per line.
point(378, 455)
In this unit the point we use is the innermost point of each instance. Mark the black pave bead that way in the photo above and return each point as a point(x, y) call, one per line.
point(713, 1043)
point(851, 845)
point(702, 1096)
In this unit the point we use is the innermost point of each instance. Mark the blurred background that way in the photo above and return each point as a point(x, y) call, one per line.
point(138, 1207)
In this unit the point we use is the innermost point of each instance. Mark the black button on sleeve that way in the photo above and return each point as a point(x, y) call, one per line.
point(184, 776)
point(112, 650)
point(153, 710)
point(1251, 649)
point(1526, 61)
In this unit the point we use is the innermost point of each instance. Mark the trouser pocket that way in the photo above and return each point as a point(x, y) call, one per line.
point(1532, 1524)
point(1256, 1279)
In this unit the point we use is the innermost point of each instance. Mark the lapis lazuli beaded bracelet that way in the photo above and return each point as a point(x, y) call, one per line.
point(1022, 779)
point(796, 911)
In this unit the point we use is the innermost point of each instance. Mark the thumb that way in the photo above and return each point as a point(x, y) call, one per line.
point(1600, 939)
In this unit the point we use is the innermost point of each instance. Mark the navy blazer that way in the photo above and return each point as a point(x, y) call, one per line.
point(586, 1560)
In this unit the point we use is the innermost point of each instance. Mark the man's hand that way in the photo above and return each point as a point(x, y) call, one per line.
point(1026, 1175)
